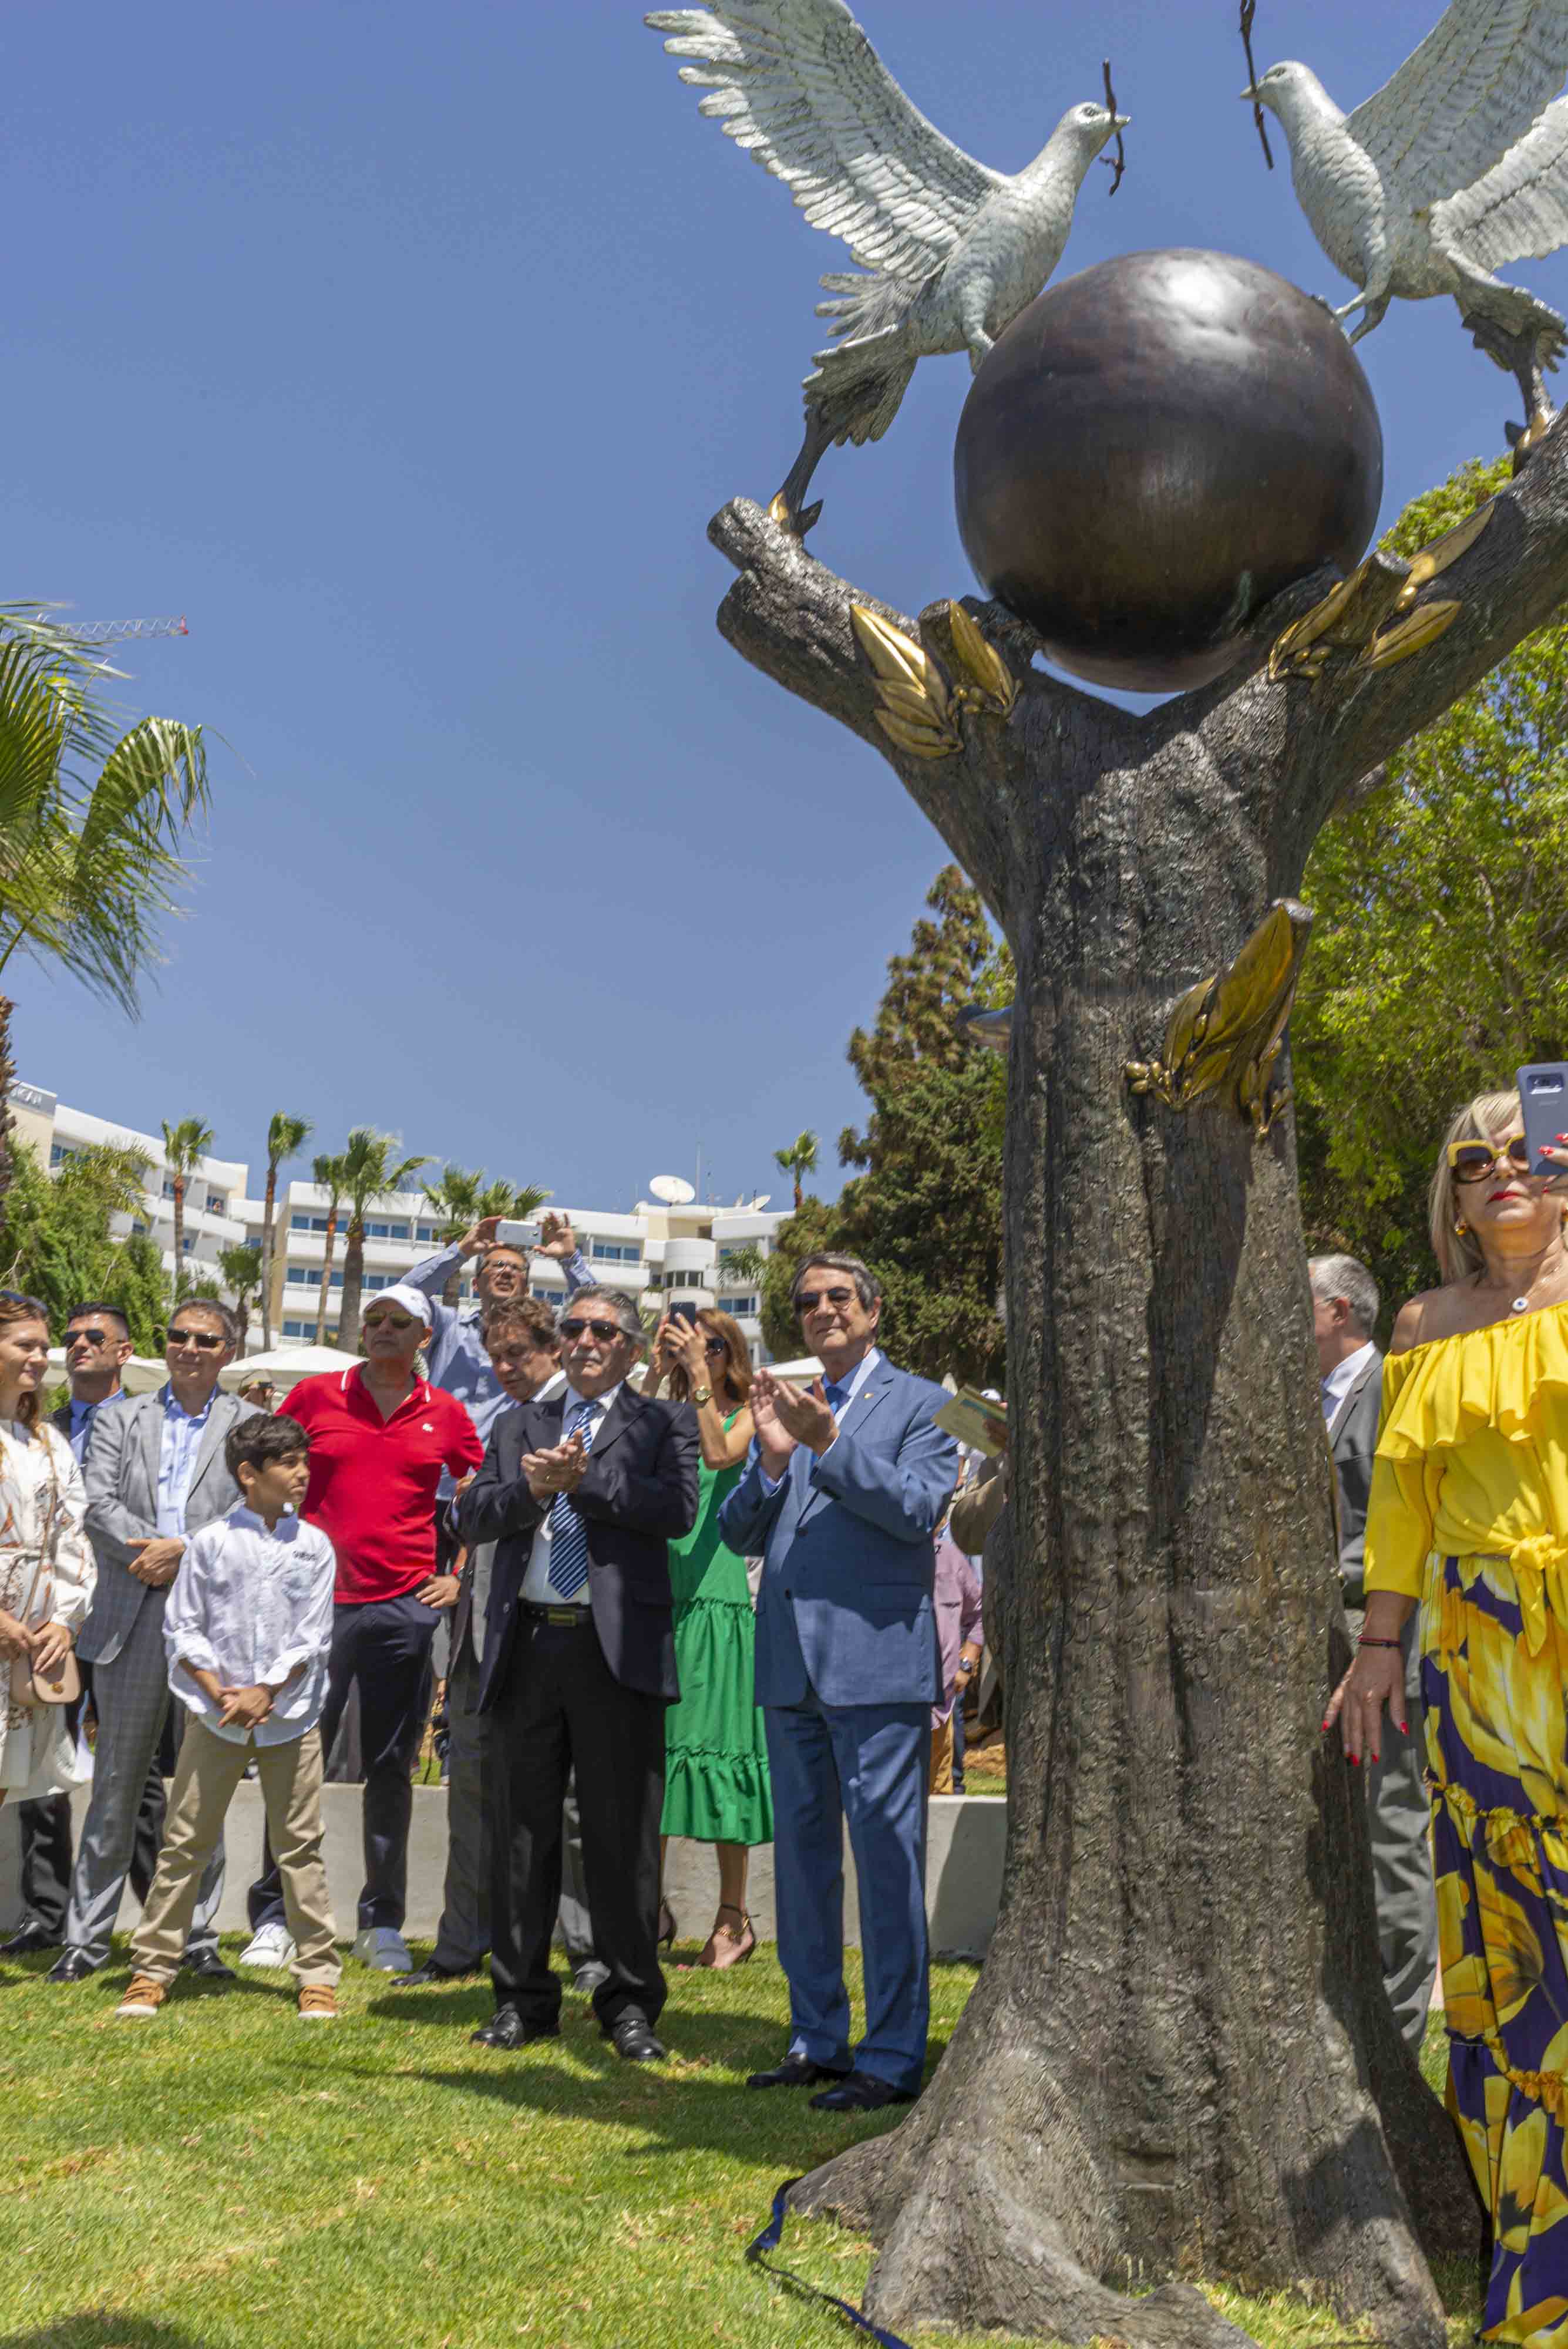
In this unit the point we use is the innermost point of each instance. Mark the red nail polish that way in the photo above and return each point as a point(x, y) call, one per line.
point(1404, 1729)
point(1355, 1761)
point(1326, 1724)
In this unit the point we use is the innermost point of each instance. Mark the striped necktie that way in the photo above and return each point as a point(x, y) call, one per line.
point(568, 1534)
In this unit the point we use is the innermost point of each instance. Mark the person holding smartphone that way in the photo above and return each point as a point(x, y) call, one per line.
point(716, 1783)
point(1468, 1519)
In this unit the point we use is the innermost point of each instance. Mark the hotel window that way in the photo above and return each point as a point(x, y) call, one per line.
point(424, 1232)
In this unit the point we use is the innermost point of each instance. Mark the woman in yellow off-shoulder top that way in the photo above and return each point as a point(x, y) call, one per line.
point(1468, 1515)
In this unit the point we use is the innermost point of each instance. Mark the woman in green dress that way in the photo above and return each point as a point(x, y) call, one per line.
point(716, 1788)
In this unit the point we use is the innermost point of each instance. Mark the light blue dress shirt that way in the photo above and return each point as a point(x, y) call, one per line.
point(457, 1355)
point(183, 1434)
point(848, 1389)
point(82, 1417)
point(249, 1605)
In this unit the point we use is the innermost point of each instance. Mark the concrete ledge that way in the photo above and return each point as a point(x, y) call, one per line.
point(963, 1870)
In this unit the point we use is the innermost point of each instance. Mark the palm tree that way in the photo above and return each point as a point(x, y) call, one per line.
point(460, 1200)
point(799, 1160)
point(285, 1138)
point(92, 820)
point(184, 1145)
point(738, 1266)
point(370, 1172)
point(241, 1270)
point(327, 1173)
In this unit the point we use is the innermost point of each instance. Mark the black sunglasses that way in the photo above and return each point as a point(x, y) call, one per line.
point(20, 1297)
point(810, 1298)
point(715, 1346)
point(209, 1341)
point(605, 1331)
point(86, 1336)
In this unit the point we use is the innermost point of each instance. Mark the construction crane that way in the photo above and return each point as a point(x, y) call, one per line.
point(115, 632)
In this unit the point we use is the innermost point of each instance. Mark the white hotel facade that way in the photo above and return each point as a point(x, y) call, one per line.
point(648, 1248)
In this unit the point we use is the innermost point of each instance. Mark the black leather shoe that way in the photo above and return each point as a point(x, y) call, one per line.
point(422, 1976)
point(207, 1966)
point(75, 1966)
point(635, 2042)
point(31, 1940)
point(862, 2092)
point(507, 2029)
point(795, 2072)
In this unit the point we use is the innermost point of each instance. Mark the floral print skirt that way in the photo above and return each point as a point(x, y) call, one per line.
point(1494, 1673)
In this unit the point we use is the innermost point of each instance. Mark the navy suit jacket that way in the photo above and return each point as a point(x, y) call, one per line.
point(638, 1491)
point(846, 1602)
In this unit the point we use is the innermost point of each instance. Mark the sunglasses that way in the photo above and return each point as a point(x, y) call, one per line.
point(389, 1321)
point(209, 1341)
point(810, 1298)
point(1472, 1162)
point(86, 1336)
point(715, 1347)
point(606, 1332)
point(20, 1297)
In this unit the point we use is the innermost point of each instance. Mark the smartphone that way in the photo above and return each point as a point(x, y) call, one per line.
point(683, 1313)
point(1543, 1098)
point(515, 1234)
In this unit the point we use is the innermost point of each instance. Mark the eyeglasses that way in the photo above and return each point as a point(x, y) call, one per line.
point(389, 1321)
point(606, 1332)
point(1472, 1162)
point(209, 1341)
point(810, 1298)
point(715, 1347)
point(86, 1336)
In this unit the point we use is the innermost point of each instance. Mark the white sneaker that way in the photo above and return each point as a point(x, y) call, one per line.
point(272, 1946)
point(384, 1950)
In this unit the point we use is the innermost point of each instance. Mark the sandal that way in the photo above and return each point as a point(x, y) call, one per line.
point(667, 1926)
point(724, 1947)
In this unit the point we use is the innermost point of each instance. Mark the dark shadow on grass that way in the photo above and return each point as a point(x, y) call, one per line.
point(95, 2330)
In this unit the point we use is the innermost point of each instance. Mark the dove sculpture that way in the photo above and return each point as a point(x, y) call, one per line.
point(950, 251)
point(1456, 167)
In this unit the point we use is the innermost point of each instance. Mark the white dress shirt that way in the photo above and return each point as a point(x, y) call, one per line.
point(183, 1434)
point(482, 1565)
point(538, 1590)
point(850, 1387)
point(249, 1603)
point(1342, 1378)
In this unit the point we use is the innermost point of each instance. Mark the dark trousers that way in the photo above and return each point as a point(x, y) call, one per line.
point(384, 1650)
point(44, 1831)
point(560, 1708)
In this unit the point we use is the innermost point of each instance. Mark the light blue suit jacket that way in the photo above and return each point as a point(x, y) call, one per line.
point(845, 1596)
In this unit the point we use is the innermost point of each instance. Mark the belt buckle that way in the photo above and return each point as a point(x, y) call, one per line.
point(562, 1617)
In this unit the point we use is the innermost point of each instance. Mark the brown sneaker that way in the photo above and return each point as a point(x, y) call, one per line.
point(318, 2003)
point(141, 2001)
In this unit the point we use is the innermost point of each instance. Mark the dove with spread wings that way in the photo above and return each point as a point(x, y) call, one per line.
point(951, 251)
point(1456, 167)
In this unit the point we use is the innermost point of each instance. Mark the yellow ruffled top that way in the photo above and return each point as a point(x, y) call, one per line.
point(1472, 1460)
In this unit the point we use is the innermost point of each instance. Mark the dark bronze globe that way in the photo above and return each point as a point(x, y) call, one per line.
point(1153, 449)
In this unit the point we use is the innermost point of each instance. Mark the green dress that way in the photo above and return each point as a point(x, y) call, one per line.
point(716, 1788)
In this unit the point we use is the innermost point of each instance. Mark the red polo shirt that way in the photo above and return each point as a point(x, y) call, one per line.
point(373, 1481)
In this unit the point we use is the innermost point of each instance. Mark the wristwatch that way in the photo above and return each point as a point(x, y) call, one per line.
point(701, 1395)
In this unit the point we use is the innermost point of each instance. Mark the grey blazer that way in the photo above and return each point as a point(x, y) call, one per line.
point(1353, 1440)
point(122, 1479)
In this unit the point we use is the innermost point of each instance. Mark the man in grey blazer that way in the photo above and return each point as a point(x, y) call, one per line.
point(842, 1493)
point(155, 1473)
point(1345, 1315)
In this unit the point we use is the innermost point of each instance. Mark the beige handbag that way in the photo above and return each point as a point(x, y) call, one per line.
point(30, 1686)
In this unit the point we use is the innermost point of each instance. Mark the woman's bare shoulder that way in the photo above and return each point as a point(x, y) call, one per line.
point(1433, 1313)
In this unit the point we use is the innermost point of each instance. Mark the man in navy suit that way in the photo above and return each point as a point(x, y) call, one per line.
point(841, 1493)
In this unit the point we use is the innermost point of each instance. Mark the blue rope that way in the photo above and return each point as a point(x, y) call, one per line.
point(768, 2240)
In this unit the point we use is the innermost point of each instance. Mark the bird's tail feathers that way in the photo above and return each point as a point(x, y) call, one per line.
point(858, 385)
point(865, 305)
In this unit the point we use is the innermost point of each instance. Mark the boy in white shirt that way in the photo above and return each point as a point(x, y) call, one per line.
point(246, 1629)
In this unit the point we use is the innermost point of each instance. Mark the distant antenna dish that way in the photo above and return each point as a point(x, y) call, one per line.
point(673, 1190)
point(761, 1200)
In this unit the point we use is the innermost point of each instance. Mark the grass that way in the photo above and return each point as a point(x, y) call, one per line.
point(224, 2177)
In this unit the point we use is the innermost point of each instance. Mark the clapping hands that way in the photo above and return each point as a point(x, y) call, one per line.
point(785, 1416)
point(557, 1470)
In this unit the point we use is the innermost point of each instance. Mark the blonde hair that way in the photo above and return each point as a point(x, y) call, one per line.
point(1458, 1253)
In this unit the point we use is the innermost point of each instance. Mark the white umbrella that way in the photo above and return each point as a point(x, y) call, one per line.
point(286, 1366)
point(139, 1376)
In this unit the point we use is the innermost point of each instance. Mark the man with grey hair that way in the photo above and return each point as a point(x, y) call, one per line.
point(1345, 1315)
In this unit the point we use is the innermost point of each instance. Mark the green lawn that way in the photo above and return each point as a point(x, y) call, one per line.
point(226, 2178)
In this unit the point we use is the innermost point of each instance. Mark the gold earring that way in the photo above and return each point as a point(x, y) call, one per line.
point(1460, 1229)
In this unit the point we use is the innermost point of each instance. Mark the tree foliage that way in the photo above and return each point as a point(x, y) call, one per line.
point(1439, 956)
point(369, 1171)
point(926, 1211)
point(56, 1242)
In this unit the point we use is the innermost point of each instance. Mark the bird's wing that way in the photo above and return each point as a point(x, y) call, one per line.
point(1520, 209)
point(798, 84)
point(1456, 105)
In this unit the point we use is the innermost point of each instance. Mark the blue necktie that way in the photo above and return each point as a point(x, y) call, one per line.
point(836, 1396)
point(568, 1534)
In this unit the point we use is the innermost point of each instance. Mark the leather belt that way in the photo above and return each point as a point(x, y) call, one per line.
point(565, 1617)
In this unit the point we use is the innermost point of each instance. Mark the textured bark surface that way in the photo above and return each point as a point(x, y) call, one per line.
point(1177, 2061)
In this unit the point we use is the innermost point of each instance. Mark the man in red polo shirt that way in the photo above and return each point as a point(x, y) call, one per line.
point(379, 1438)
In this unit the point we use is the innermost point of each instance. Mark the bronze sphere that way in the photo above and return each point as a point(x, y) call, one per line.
point(1152, 451)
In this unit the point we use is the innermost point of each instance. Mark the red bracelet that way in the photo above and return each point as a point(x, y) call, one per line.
point(1364, 1642)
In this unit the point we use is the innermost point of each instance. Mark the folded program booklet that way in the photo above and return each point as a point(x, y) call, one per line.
point(976, 1421)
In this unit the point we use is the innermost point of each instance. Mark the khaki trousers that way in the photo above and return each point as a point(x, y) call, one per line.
point(210, 1769)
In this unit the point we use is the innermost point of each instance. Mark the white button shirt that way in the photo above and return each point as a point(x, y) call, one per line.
point(538, 1590)
point(248, 1604)
point(1342, 1378)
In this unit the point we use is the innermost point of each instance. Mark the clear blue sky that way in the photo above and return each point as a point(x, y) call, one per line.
point(407, 351)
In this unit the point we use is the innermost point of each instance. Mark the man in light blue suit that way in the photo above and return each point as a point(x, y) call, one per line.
point(841, 1493)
